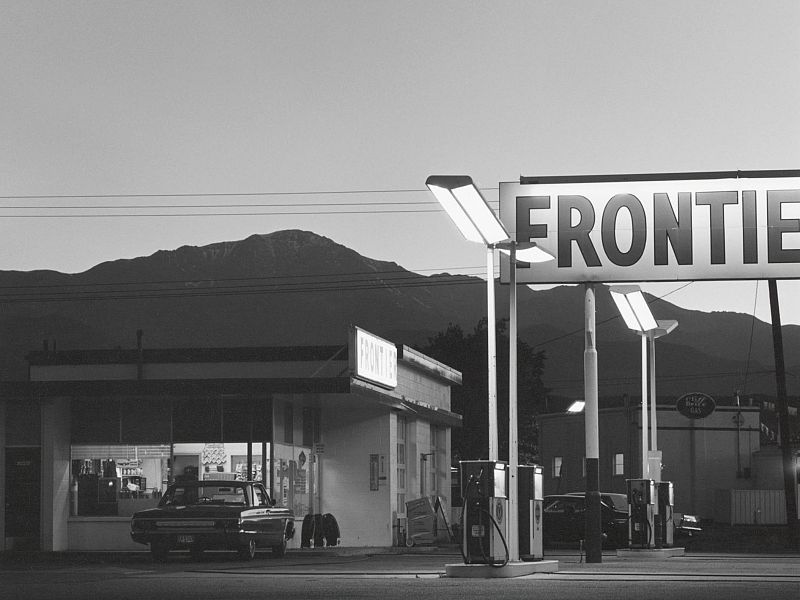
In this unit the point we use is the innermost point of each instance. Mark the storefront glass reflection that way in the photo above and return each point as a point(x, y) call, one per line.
point(296, 479)
point(118, 480)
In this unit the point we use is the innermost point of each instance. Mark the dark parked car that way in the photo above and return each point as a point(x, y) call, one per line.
point(206, 515)
point(565, 518)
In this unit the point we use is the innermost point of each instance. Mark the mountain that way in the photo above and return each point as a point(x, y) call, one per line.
point(298, 288)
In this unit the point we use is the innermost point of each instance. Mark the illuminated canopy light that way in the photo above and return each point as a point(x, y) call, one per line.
point(576, 406)
point(664, 328)
point(467, 208)
point(633, 308)
point(528, 252)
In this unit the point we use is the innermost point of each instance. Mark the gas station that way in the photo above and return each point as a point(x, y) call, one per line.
point(608, 229)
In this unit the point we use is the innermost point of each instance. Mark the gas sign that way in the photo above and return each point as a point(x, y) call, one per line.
point(695, 405)
point(687, 227)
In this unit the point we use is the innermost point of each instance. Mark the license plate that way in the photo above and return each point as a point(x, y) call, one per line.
point(185, 539)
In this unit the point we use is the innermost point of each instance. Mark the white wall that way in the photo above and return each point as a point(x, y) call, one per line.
point(351, 431)
point(699, 455)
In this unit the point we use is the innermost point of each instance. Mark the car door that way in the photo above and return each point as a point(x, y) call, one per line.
point(575, 518)
point(561, 521)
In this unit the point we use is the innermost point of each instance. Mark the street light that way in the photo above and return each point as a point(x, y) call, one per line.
point(637, 316)
point(462, 200)
point(664, 327)
point(471, 214)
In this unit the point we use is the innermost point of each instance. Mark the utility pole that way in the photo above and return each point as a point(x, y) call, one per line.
point(782, 407)
point(593, 525)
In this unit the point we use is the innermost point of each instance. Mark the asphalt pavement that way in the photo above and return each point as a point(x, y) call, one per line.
point(390, 574)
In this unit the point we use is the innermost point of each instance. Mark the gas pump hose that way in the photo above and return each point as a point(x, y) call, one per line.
point(463, 523)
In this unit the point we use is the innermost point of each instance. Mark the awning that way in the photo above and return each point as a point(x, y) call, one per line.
point(403, 403)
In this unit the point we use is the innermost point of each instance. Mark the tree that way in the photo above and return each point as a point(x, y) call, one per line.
point(468, 354)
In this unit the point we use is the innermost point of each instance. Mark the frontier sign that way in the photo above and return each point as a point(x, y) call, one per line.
point(671, 227)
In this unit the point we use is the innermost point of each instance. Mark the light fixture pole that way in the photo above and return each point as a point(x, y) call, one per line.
point(477, 222)
point(664, 327)
point(517, 252)
point(637, 316)
point(491, 345)
point(469, 211)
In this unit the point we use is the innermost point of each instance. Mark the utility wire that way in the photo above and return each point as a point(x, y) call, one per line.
point(437, 271)
point(222, 194)
point(750, 346)
point(219, 214)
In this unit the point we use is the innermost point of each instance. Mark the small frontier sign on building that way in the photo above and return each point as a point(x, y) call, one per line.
point(372, 358)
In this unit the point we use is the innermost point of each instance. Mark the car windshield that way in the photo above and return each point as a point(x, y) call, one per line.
point(188, 495)
point(564, 506)
point(617, 501)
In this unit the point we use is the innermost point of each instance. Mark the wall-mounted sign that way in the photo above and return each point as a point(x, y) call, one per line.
point(372, 358)
point(670, 227)
point(695, 405)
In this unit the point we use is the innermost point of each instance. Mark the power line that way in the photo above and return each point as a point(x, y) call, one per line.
point(218, 214)
point(279, 287)
point(436, 270)
point(214, 194)
point(249, 205)
point(223, 194)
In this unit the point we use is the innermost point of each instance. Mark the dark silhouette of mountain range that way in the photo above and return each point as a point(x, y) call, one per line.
point(298, 288)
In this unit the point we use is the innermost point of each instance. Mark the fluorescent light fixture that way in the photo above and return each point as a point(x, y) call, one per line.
point(467, 208)
point(576, 406)
point(664, 328)
point(527, 252)
point(633, 308)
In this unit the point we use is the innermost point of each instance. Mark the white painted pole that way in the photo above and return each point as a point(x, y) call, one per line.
point(653, 416)
point(593, 526)
point(645, 416)
point(513, 458)
point(492, 354)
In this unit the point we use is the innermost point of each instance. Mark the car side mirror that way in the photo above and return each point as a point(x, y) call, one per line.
point(272, 502)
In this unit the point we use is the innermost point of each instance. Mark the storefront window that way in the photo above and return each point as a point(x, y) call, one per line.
point(295, 467)
point(122, 458)
point(118, 480)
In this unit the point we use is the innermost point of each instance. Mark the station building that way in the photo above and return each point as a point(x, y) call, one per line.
point(355, 431)
point(720, 465)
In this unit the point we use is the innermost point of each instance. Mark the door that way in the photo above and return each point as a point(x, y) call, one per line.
point(23, 497)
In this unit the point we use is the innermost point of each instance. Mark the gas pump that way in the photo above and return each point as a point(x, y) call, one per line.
point(531, 496)
point(485, 512)
point(642, 509)
point(665, 529)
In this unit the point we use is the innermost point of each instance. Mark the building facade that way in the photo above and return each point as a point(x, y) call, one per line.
point(355, 431)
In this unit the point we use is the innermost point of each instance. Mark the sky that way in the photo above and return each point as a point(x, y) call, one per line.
point(130, 127)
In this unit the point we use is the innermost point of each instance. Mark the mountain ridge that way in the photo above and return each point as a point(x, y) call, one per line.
point(295, 287)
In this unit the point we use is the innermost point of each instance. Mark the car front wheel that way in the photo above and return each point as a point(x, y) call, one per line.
point(279, 551)
point(248, 552)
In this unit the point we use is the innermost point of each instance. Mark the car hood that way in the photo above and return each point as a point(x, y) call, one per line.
point(183, 512)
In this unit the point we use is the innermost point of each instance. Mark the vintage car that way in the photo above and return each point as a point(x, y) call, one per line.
point(213, 515)
point(564, 519)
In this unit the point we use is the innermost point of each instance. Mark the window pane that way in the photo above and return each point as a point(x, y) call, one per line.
point(557, 466)
point(115, 479)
